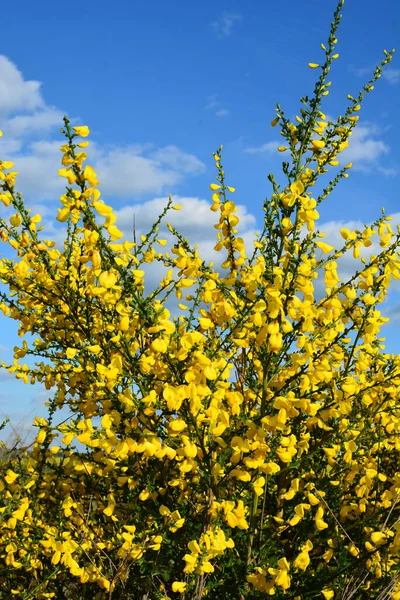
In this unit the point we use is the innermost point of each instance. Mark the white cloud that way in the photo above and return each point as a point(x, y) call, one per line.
point(38, 167)
point(223, 26)
point(173, 157)
point(388, 171)
point(212, 102)
point(362, 71)
point(136, 170)
point(365, 147)
point(39, 121)
point(391, 75)
point(347, 264)
point(215, 105)
point(195, 220)
point(267, 148)
point(9, 146)
point(126, 172)
point(16, 93)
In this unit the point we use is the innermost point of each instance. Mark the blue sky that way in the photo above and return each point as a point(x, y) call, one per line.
point(162, 85)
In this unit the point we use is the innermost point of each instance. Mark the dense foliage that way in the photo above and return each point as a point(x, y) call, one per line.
point(247, 446)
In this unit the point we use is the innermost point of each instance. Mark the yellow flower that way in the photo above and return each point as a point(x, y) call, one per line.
point(95, 348)
point(326, 248)
point(81, 130)
point(297, 187)
point(318, 144)
point(114, 232)
point(71, 352)
point(6, 199)
point(177, 425)
point(124, 324)
point(11, 476)
point(179, 586)
point(90, 176)
point(63, 214)
point(101, 208)
point(378, 538)
point(107, 279)
point(69, 174)
point(41, 436)
point(16, 220)
point(302, 561)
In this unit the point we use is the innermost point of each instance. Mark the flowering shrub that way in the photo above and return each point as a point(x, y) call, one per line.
point(247, 446)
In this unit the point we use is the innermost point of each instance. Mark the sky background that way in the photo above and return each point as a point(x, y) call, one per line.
point(161, 85)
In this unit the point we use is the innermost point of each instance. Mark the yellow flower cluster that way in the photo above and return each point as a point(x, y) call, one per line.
point(247, 443)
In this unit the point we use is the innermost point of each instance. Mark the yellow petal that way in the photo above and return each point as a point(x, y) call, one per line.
point(102, 209)
point(177, 425)
point(178, 586)
point(114, 232)
point(297, 187)
point(71, 352)
point(82, 130)
point(107, 279)
point(90, 176)
point(318, 144)
point(326, 248)
point(378, 538)
point(63, 214)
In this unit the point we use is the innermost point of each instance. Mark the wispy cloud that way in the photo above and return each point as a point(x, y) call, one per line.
point(143, 169)
point(16, 93)
point(267, 148)
point(347, 264)
point(215, 105)
point(195, 221)
point(212, 102)
point(30, 125)
point(366, 147)
point(388, 171)
point(223, 26)
point(39, 121)
point(361, 71)
point(391, 75)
